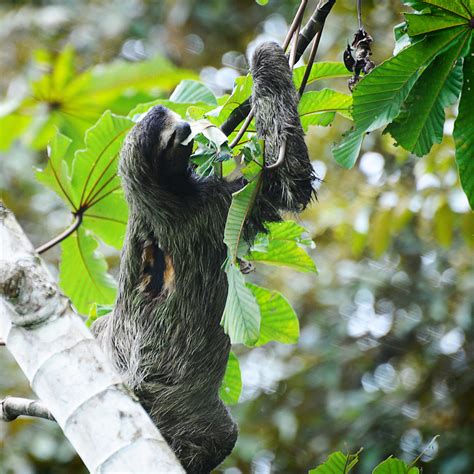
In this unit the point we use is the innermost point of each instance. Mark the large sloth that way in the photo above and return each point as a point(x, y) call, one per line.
point(164, 335)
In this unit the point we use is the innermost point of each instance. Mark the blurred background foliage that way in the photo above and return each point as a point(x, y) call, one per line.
point(385, 356)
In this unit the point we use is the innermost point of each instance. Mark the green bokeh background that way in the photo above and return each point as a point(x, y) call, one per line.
point(385, 358)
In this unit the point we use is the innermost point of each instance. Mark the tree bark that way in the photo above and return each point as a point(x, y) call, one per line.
point(76, 383)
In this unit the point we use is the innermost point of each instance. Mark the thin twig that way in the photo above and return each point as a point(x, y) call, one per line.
point(295, 27)
point(59, 238)
point(243, 128)
point(312, 56)
point(314, 24)
point(359, 13)
point(13, 407)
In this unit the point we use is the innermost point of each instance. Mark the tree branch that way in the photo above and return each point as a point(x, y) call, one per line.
point(59, 238)
point(314, 25)
point(13, 407)
point(102, 419)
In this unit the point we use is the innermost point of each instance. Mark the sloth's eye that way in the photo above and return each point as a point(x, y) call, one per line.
point(171, 140)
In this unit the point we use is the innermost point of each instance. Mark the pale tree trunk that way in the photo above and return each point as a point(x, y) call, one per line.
point(76, 383)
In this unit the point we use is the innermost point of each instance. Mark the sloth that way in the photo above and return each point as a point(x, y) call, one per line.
point(164, 335)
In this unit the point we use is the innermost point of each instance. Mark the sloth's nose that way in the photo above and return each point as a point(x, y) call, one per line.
point(183, 130)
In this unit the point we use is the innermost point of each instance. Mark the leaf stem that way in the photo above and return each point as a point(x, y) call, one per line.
point(59, 238)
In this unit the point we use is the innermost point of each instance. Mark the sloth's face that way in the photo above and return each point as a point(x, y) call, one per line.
point(160, 136)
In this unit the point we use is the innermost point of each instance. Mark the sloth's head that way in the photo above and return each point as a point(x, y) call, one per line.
point(156, 141)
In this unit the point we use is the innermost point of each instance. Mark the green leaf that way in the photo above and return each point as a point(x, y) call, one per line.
point(337, 463)
point(56, 175)
point(83, 272)
point(278, 319)
point(420, 124)
point(96, 312)
point(192, 92)
point(419, 24)
point(111, 79)
point(394, 466)
point(108, 218)
point(347, 150)
point(455, 6)
point(240, 208)
point(287, 230)
point(280, 247)
point(284, 253)
point(319, 107)
point(319, 71)
point(380, 94)
point(12, 126)
point(241, 92)
point(181, 108)
point(94, 174)
point(241, 318)
point(464, 131)
point(232, 383)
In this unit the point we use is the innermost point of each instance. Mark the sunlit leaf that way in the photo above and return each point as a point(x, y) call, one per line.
point(320, 70)
point(107, 218)
point(337, 463)
point(280, 247)
point(319, 107)
point(278, 319)
point(192, 92)
point(83, 272)
point(284, 253)
point(95, 167)
point(232, 383)
point(56, 175)
point(241, 318)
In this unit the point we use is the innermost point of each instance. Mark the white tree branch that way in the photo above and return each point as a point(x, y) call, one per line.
point(107, 426)
point(13, 407)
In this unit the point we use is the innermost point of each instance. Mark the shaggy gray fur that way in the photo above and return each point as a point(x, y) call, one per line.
point(275, 104)
point(164, 335)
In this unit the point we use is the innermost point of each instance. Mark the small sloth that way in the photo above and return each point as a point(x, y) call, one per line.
point(164, 335)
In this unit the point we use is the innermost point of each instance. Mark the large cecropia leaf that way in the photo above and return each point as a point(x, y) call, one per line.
point(241, 318)
point(57, 174)
point(71, 102)
point(83, 272)
point(379, 95)
point(278, 319)
point(420, 124)
point(413, 87)
point(232, 383)
point(464, 131)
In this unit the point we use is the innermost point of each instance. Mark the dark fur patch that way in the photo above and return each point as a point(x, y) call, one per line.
point(157, 271)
